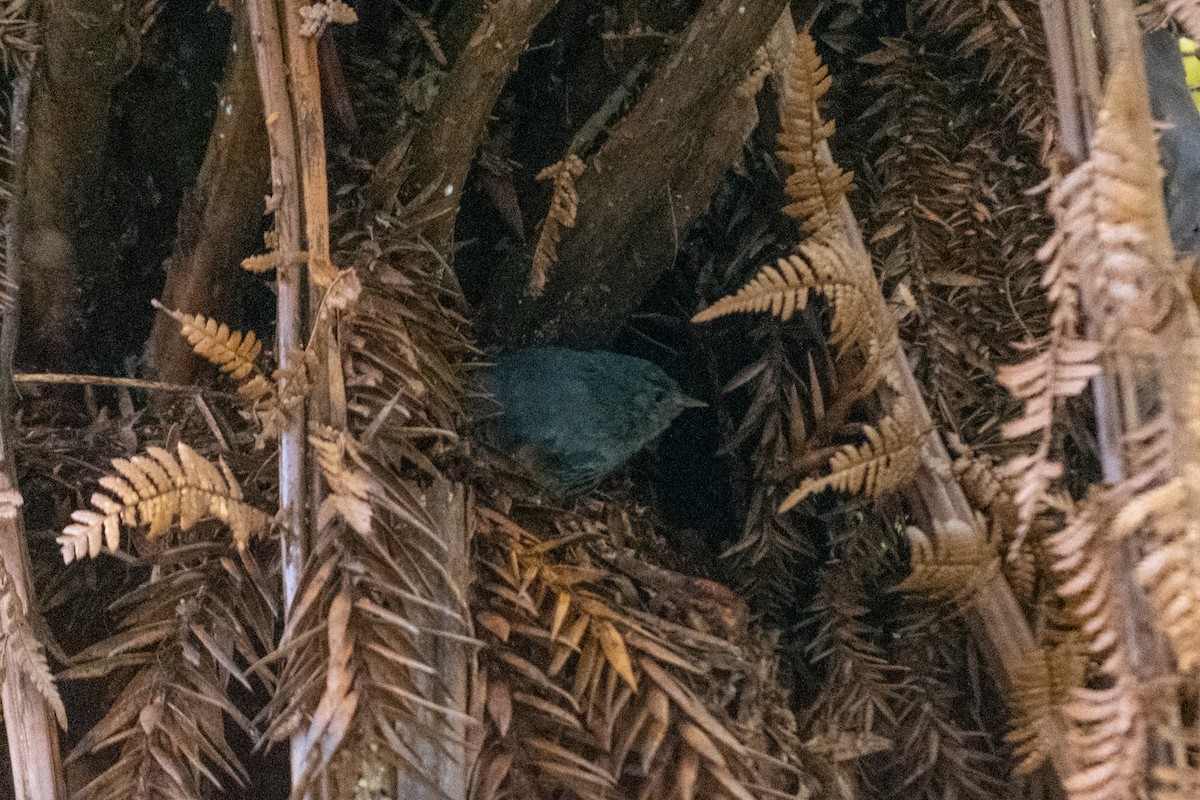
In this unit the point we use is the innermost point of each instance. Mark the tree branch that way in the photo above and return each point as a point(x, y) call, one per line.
point(32, 735)
point(452, 130)
point(220, 217)
point(652, 178)
point(82, 58)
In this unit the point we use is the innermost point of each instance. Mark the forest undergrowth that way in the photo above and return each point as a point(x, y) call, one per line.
point(934, 535)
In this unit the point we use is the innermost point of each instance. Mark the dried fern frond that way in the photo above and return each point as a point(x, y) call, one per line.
point(1109, 736)
point(957, 224)
point(769, 557)
point(952, 564)
point(564, 203)
point(18, 33)
point(882, 464)
point(1065, 362)
point(940, 749)
point(826, 261)
point(815, 189)
point(826, 266)
point(1174, 782)
point(1138, 280)
point(859, 694)
point(1170, 569)
point(236, 355)
point(189, 631)
point(380, 602)
point(381, 605)
point(1060, 371)
point(993, 493)
point(21, 651)
point(587, 695)
point(1011, 37)
point(348, 478)
point(232, 351)
point(411, 355)
point(159, 490)
point(1108, 725)
point(1042, 687)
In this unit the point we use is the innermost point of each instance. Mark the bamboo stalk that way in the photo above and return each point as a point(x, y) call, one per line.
point(267, 37)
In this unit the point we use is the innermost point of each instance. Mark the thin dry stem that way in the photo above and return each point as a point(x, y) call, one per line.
point(267, 36)
point(29, 723)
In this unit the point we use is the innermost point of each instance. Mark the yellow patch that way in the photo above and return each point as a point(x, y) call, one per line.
point(1191, 67)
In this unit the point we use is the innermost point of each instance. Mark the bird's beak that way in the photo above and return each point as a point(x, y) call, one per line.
point(691, 402)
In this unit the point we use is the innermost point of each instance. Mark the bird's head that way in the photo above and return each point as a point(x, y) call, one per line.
point(660, 399)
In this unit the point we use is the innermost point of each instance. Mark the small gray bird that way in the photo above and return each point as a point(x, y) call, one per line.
point(571, 417)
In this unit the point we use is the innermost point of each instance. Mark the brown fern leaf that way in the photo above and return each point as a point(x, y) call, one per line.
point(773, 548)
point(159, 490)
point(1109, 736)
point(383, 603)
point(952, 564)
point(825, 262)
point(1065, 362)
point(378, 604)
point(1170, 569)
point(593, 697)
point(1042, 686)
point(232, 351)
point(20, 650)
point(205, 615)
point(1107, 232)
point(236, 356)
point(1010, 36)
point(263, 262)
point(563, 205)
point(937, 753)
point(1108, 725)
point(815, 189)
point(992, 492)
point(347, 476)
point(1088, 576)
point(1138, 281)
point(229, 350)
point(1176, 782)
point(411, 355)
point(859, 693)
point(1149, 453)
point(955, 232)
point(825, 266)
point(885, 462)
point(1063, 370)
